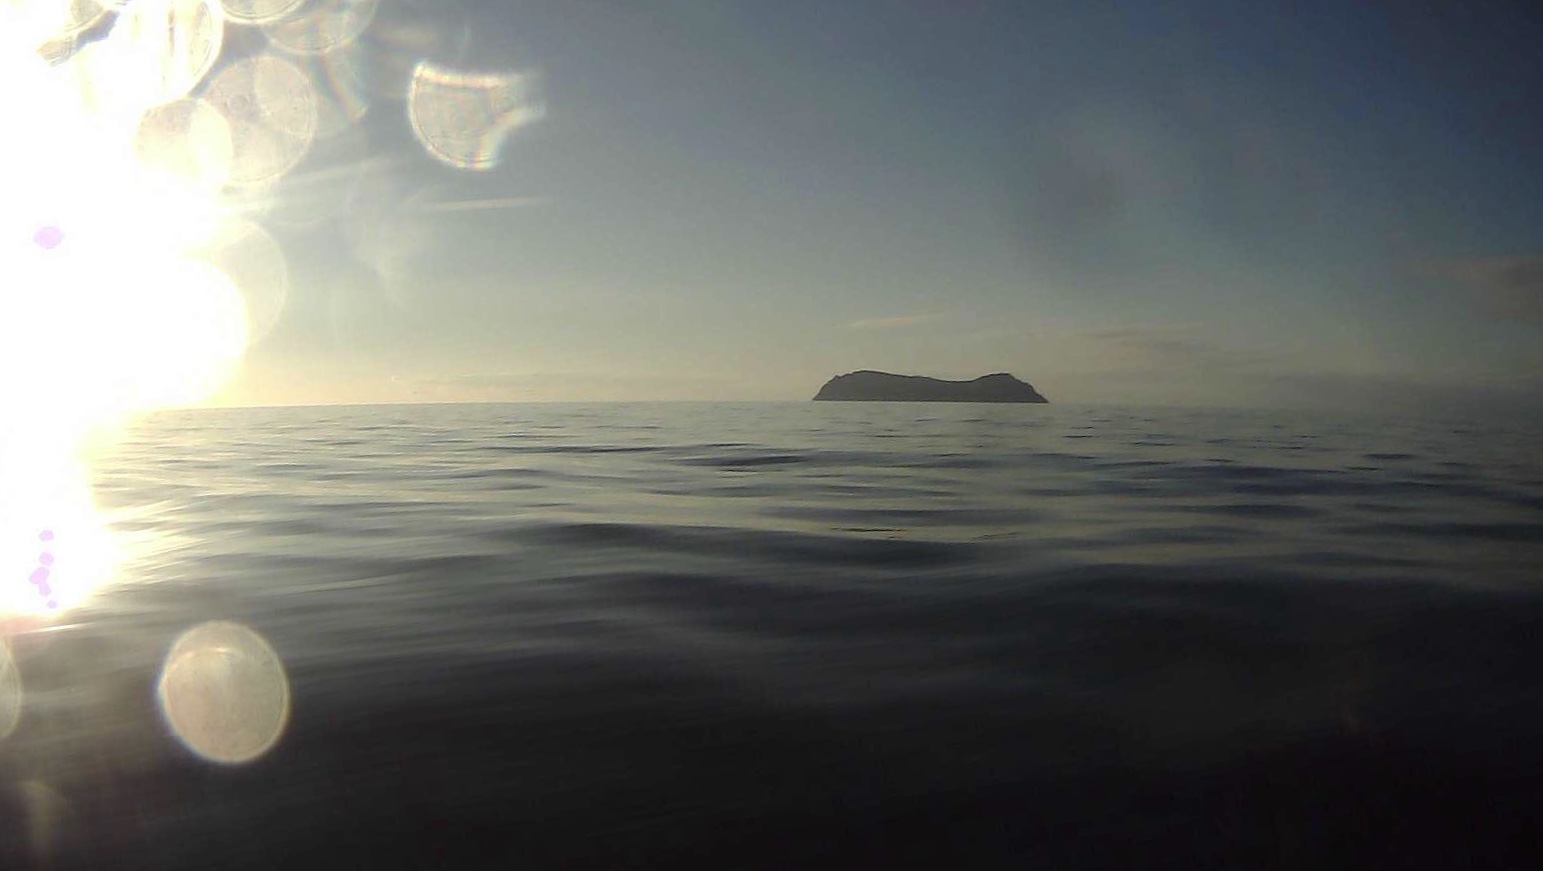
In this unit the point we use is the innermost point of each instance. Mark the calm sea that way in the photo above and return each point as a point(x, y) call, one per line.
point(783, 635)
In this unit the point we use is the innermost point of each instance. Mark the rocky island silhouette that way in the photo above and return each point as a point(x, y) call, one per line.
point(870, 386)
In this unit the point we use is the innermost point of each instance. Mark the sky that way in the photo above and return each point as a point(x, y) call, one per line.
point(1200, 203)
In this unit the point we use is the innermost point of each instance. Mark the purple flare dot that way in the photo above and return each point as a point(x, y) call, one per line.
point(48, 237)
point(46, 535)
point(52, 603)
point(46, 559)
point(40, 576)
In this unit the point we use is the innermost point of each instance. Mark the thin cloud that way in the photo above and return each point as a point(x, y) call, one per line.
point(566, 385)
point(892, 323)
point(485, 205)
point(1164, 348)
point(1506, 288)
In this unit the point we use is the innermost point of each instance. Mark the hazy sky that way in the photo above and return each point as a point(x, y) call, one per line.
point(1187, 202)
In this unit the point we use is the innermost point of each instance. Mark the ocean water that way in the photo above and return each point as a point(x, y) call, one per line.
point(782, 635)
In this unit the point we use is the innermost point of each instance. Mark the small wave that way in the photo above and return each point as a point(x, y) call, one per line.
point(737, 461)
point(774, 547)
point(1257, 509)
point(1506, 532)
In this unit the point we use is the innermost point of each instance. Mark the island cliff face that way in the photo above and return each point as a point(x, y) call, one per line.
point(868, 386)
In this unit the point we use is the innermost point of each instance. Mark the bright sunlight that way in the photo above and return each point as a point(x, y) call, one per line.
point(109, 306)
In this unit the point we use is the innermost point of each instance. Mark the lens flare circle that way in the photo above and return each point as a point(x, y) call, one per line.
point(157, 51)
point(223, 693)
point(259, 11)
point(326, 26)
point(10, 692)
point(462, 119)
point(187, 144)
point(270, 107)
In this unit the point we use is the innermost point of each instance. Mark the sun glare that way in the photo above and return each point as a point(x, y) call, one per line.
point(107, 305)
point(53, 542)
point(126, 284)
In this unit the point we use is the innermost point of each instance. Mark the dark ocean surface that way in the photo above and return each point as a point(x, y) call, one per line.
point(794, 635)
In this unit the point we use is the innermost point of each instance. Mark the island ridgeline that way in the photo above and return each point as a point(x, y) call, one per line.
point(870, 386)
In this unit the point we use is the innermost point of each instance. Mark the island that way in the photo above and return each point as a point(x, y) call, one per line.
point(870, 386)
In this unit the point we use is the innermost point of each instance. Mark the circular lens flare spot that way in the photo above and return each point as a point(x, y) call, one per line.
point(462, 119)
point(324, 27)
point(269, 105)
point(259, 11)
point(10, 692)
point(224, 693)
point(48, 238)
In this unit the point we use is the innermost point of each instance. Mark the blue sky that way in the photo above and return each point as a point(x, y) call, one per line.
point(1186, 202)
